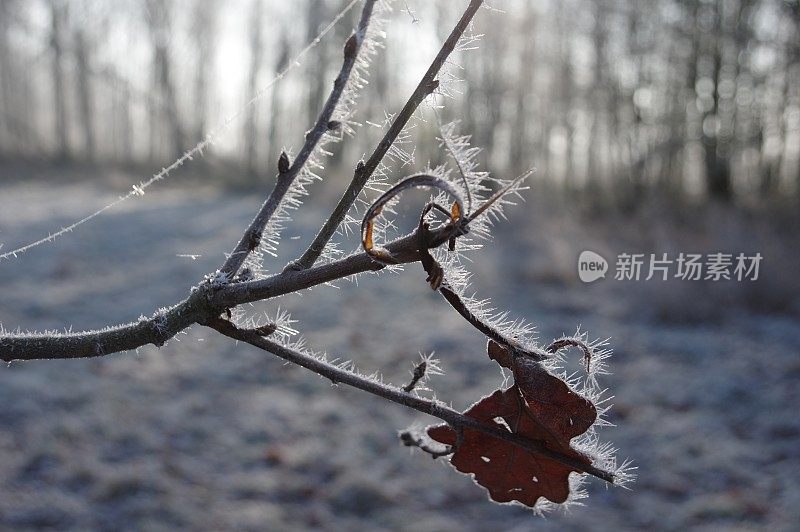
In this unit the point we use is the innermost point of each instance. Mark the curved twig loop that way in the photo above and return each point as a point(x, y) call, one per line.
point(382, 255)
point(567, 342)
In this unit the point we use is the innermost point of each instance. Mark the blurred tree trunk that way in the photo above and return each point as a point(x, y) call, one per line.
point(317, 62)
point(124, 123)
point(495, 81)
point(153, 123)
point(256, 58)
point(85, 94)
point(563, 125)
point(792, 87)
point(681, 76)
point(521, 150)
point(58, 14)
point(598, 99)
point(632, 190)
point(275, 113)
point(204, 30)
point(159, 23)
point(717, 164)
point(7, 146)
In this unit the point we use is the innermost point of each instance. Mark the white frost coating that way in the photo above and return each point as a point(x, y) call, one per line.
point(284, 324)
point(601, 454)
point(400, 155)
point(198, 149)
point(480, 184)
point(433, 366)
point(371, 43)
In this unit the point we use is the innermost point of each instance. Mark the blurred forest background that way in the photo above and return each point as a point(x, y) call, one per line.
point(679, 98)
point(658, 126)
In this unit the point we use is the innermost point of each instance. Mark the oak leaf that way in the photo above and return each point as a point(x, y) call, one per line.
point(540, 407)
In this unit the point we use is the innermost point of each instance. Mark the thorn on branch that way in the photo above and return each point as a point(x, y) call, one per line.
point(283, 163)
point(432, 267)
point(416, 376)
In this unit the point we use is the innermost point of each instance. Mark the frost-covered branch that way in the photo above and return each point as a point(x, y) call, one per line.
point(548, 418)
point(404, 250)
point(288, 171)
point(364, 170)
point(222, 294)
point(339, 375)
point(156, 330)
point(207, 301)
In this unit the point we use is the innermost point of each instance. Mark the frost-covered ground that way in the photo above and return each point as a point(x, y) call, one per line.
point(205, 434)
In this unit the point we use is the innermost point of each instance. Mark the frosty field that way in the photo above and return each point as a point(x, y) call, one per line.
point(204, 434)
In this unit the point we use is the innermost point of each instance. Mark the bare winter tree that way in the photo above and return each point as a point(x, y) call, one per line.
point(6, 90)
point(159, 22)
point(85, 93)
point(256, 58)
point(543, 424)
point(275, 109)
point(58, 14)
point(203, 38)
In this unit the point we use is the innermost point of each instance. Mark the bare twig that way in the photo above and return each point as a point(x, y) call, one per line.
point(416, 376)
point(417, 180)
point(410, 440)
point(288, 172)
point(565, 341)
point(364, 171)
point(156, 330)
point(403, 250)
point(450, 416)
point(437, 282)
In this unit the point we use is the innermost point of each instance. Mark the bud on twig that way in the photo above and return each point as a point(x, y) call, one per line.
point(432, 86)
point(419, 373)
point(283, 163)
point(351, 47)
point(266, 330)
point(253, 240)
